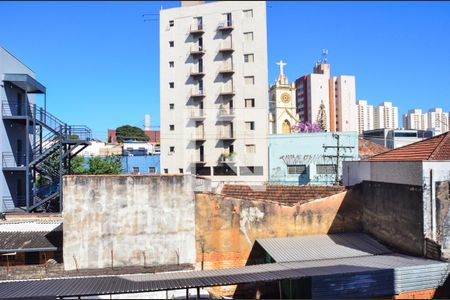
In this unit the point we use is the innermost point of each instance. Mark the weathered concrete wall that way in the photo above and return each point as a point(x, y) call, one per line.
point(393, 214)
point(226, 227)
point(129, 215)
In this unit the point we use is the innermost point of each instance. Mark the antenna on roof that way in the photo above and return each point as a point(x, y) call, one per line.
point(324, 56)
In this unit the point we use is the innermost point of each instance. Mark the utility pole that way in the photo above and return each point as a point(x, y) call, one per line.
point(338, 155)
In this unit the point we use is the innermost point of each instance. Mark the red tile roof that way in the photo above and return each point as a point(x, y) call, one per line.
point(367, 149)
point(435, 148)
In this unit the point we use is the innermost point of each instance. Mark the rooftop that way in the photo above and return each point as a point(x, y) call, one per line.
point(435, 148)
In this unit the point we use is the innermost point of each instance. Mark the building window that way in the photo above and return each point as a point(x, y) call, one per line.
point(248, 13)
point(151, 170)
point(248, 36)
point(251, 170)
point(181, 170)
point(250, 125)
point(250, 102)
point(249, 80)
point(296, 169)
point(171, 44)
point(250, 148)
point(171, 64)
point(171, 23)
point(135, 170)
point(166, 171)
point(326, 169)
point(172, 127)
point(172, 149)
point(171, 105)
point(171, 85)
point(249, 58)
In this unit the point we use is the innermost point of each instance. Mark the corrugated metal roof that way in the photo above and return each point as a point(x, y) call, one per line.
point(30, 225)
point(30, 241)
point(325, 246)
point(372, 269)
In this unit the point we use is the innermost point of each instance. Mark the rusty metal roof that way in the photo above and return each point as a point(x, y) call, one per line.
point(392, 264)
point(325, 246)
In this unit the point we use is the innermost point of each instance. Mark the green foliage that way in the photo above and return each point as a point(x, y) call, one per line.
point(77, 165)
point(104, 165)
point(128, 132)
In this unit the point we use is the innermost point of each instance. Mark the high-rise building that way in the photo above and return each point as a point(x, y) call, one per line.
point(365, 116)
point(213, 90)
point(438, 120)
point(415, 119)
point(328, 101)
point(385, 116)
point(283, 112)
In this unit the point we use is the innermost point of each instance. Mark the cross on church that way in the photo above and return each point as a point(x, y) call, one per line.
point(281, 64)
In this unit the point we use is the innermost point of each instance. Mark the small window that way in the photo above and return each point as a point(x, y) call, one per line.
point(151, 170)
point(172, 127)
point(250, 102)
point(135, 170)
point(171, 85)
point(181, 170)
point(166, 171)
point(296, 169)
point(248, 13)
point(250, 125)
point(249, 80)
point(171, 105)
point(249, 58)
point(171, 44)
point(248, 36)
point(251, 170)
point(250, 148)
point(326, 169)
point(171, 23)
point(172, 149)
point(171, 64)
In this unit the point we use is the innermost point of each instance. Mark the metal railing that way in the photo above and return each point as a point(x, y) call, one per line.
point(228, 24)
point(196, 28)
point(197, 92)
point(197, 49)
point(13, 201)
point(15, 109)
point(14, 159)
point(196, 70)
point(197, 113)
point(226, 112)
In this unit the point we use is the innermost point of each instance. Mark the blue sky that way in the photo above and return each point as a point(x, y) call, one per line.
point(100, 60)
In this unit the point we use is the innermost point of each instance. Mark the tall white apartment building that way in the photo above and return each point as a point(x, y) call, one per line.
point(365, 116)
point(415, 119)
point(213, 89)
point(438, 120)
point(327, 100)
point(385, 116)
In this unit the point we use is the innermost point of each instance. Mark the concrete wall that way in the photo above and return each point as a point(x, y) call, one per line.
point(393, 213)
point(307, 149)
point(129, 215)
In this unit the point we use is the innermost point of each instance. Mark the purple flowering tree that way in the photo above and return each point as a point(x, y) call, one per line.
point(306, 127)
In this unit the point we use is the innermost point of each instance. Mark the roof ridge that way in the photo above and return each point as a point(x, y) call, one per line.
point(438, 147)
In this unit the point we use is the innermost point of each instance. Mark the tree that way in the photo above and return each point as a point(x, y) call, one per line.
point(128, 132)
point(104, 165)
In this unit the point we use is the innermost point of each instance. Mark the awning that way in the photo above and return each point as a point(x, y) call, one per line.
point(25, 82)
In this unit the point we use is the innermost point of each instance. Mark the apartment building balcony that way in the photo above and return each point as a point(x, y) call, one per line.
point(197, 114)
point(226, 69)
point(226, 113)
point(226, 47)
point(197, 50)
point(16, 110)
point(227, 91)
point(225, 26)
point(198, 136)
point(196, 29)
point(14, 160)
point(226, 135)
point(198, 93)
point(197, 72)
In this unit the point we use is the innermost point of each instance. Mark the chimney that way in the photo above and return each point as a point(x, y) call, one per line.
point(147, 122)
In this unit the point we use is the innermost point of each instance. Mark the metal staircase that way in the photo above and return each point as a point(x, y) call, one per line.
point(50, 136)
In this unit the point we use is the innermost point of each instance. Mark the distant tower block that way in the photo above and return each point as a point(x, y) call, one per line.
point(147, 122)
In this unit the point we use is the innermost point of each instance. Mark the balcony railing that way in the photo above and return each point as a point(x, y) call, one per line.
point(196, 29)
point(226, 47)
point(198, 136)
point(196, 71)
point(226, 113)
point(197, 50)
point(225, 25)
point(14, 159)
point(226, 68)
point(227, 91)
point(226, 134)
point(197, 114)
point(198, 93)
point(16, 109)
